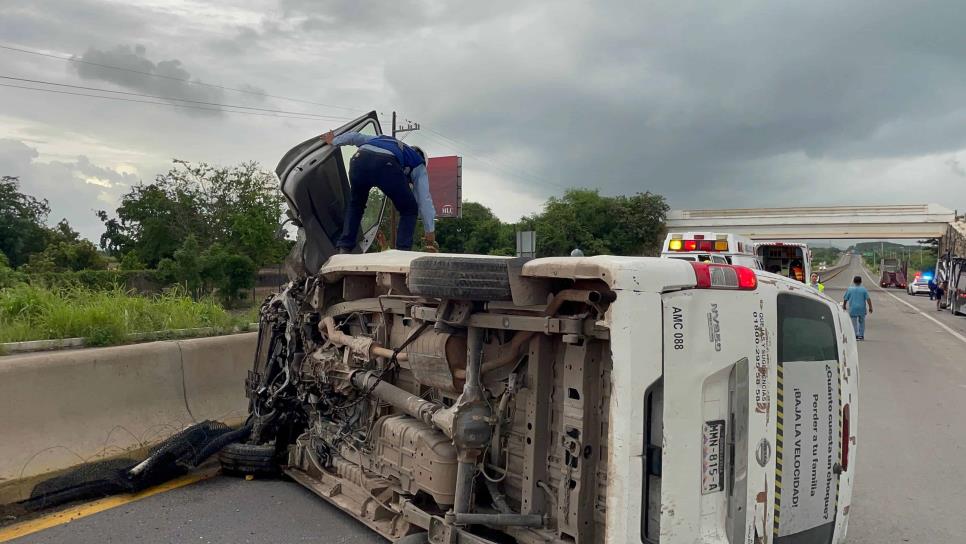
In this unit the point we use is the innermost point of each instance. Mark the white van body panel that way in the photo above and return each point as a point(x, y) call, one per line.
point(719, 329)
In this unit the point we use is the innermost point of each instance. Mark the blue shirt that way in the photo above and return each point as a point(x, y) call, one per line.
point(857, 297)
point(411, 162)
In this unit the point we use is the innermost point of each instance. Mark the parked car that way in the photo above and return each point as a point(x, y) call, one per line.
point(919, 285)
point(468, 398)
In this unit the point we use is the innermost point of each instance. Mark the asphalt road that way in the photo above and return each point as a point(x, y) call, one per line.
point(911, 481)
point(221, 510)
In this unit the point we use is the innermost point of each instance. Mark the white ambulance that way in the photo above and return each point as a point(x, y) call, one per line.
point(711, 247)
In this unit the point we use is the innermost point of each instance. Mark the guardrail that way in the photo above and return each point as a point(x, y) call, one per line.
point(829, 273)
point(66, 408)
point(30, 346)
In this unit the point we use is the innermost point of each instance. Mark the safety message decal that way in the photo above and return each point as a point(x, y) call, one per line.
point(808, 404)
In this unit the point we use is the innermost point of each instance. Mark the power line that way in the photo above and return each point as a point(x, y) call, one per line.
point(455, 142)
point(500, 167)
point(182, 80)
point(170, 105)
point(505, 168)
point(97, 89)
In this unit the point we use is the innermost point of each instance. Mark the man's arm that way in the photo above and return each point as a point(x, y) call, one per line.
point(845, 301)
point(348, 138)
point(868, 300)
point(425, 201)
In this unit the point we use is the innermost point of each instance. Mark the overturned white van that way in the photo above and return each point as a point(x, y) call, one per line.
point(445, 398)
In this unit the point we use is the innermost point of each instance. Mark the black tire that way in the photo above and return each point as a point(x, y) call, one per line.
point(463, 278)
point(415, 538)
point(245, 459)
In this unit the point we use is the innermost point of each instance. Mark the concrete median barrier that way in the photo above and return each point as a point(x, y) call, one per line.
point(62, 409)
point(829, 273)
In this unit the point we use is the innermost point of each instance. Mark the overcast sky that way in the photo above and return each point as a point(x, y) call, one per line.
point(724, 104)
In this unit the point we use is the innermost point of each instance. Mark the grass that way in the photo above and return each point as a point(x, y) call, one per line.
point(102, 317)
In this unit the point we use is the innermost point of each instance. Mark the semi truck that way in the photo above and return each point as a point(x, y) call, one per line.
point(893, 273)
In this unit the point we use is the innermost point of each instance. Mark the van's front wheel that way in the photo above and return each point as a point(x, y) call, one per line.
point(249, 459)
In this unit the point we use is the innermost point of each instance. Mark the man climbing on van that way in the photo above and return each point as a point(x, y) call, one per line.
point(856, 300)
point(399, 171)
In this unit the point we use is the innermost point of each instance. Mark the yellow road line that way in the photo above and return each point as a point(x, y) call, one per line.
point(67, 515)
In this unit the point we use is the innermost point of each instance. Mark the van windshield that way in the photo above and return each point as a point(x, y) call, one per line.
point(806, 331)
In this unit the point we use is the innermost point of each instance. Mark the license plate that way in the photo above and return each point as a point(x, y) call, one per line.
point(713, 458)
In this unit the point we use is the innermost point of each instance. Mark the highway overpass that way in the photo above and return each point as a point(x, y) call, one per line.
point(829, 222)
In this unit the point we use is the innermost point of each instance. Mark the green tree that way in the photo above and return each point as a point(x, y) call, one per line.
point(8, 276)
point(186, 268)
point(477, 231)
point(237, 207)
point(22, 222)
point(582, 218)
point(227, 272)
point(65, 250)
point(114, 241)
point(130, 261)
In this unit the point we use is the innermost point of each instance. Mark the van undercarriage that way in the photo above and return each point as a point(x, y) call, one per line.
point(442, 406)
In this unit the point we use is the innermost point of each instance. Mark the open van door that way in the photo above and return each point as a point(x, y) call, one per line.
point(314, 178)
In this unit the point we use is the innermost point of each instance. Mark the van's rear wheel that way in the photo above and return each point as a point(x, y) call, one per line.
point(462, 278)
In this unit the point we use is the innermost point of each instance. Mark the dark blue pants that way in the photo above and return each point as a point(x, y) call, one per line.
point(369, 169)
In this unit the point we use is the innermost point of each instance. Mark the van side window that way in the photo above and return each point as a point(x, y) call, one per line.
point(806, 330)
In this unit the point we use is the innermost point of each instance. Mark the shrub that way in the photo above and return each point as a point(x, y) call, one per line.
point(102, 317)
point(145, 281)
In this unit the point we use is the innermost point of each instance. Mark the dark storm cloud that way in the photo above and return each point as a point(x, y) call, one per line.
point(383, 21)
point(75, 189)
point(348, 15)
point(172, 81)
point(748, 103)
point(241, 42)
point(957, 167)
point(673, 97)
point(51, 23)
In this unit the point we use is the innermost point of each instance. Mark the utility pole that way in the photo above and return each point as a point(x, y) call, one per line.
point(396, 129)
point(393, 220)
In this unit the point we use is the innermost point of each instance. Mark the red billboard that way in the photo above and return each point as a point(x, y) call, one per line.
point(446, 185)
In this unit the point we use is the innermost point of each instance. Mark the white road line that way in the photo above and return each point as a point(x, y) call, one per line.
point(960, 337)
